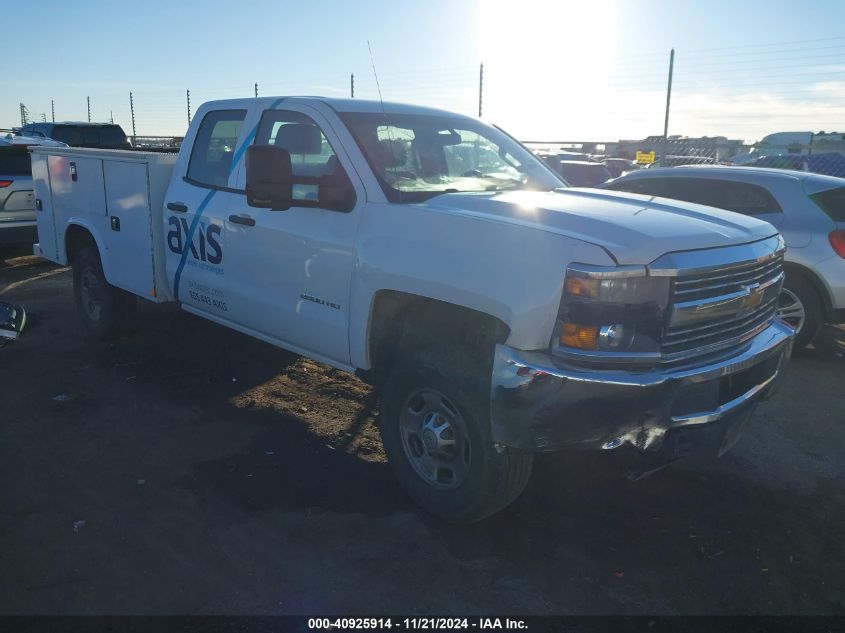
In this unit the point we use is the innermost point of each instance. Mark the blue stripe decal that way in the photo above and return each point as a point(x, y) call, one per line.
point(189, 239)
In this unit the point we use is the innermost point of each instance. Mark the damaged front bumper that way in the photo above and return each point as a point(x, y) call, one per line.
point(541, 404)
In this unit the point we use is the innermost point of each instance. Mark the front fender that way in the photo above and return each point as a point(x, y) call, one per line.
point(511, 272)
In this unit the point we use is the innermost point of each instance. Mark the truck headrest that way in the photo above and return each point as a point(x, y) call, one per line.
point(391, 153)
point(300, 138)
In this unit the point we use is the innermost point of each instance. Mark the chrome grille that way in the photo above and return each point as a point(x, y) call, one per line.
point(717, 310)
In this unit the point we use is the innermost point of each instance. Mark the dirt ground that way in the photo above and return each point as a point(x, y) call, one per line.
point(188, 469)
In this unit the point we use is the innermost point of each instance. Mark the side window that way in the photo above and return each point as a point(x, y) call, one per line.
point(214, 147)
point(644, 186)
point(69, 134)
point(697, 191)
point(311, 155)
point(739, 197)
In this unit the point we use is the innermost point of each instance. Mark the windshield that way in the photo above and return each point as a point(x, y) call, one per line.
point(418, 156)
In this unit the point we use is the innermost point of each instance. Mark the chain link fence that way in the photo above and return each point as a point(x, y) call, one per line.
point(589, 163)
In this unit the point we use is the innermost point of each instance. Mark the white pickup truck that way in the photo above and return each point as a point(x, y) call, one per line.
point(499, 312)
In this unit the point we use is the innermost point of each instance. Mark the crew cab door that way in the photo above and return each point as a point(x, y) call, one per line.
point(289, 272)
point(197, 260)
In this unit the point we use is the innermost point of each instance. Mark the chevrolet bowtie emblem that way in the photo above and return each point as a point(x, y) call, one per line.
point(754, 297)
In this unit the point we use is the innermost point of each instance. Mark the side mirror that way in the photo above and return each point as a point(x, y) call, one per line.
point(336, 192)
point(268, 177)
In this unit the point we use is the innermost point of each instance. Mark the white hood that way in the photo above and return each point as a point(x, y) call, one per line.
point(634, 229)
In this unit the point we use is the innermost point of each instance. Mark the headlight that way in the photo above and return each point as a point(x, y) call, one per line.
point(611, 313)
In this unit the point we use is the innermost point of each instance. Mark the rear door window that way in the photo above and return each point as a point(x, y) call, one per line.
point(214, 147)
point(740, 197)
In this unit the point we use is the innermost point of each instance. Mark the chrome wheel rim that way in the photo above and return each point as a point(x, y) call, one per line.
point(790, 309)
point(434, 439)
point(90, 295)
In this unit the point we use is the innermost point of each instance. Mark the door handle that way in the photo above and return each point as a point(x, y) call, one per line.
point(178, 207)
point(244, 219)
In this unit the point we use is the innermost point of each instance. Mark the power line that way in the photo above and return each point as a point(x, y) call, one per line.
point(745, 46)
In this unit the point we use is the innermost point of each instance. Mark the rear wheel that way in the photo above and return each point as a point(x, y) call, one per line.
point(105, 311)
point(435, 425)
point(799, 305)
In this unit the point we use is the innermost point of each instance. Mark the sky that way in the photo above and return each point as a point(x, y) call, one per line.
point(554, 70)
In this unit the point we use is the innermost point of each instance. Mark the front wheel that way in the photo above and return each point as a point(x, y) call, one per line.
point(104, 310)
point(435, 426)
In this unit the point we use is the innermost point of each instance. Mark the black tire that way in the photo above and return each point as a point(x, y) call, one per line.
point(798, 288)
point(493, 478)
point(105, 311)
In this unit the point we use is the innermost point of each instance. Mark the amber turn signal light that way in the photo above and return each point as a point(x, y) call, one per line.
point(579, 336)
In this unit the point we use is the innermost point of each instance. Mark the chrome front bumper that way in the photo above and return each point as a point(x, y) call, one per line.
point(541, 404)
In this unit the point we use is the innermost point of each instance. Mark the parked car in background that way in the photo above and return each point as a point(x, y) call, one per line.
point(619, 166)
point(676, 161)
point(17, 205)
point(583, 174)
point(80, 134)
point(17, 139)
point(808, 209)
point(551, 157)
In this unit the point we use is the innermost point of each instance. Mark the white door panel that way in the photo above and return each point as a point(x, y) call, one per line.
point(292, 270)
point(293, 274)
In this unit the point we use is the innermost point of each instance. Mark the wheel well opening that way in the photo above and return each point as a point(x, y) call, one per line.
point(798, 271)
point(402, 322)
point(76, 239)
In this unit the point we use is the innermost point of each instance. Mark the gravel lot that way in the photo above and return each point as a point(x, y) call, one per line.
point(188, 469)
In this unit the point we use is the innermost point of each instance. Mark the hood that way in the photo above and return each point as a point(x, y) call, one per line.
point(634, 229)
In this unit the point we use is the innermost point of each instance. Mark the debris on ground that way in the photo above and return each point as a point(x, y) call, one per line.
point(12, 322)
point(78, 524)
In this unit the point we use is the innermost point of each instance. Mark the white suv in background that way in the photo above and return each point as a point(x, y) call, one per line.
point(808, 210)
point(17, 205)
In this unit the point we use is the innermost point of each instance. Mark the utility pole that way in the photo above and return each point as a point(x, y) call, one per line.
point(24, 115)
point(43, 118)
point(111, 116)
point(256, 90)
point(132, 110)
point(89, 109)
point(352, 85)
point(53, 109)
point(480, 88)
point(668, 100)
point(188, 94)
